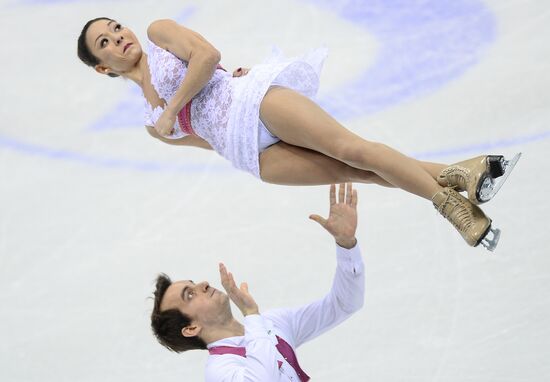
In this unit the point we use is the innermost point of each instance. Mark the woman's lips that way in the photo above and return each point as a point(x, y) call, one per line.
point(126, 47)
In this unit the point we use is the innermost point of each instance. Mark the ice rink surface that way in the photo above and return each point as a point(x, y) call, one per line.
point(92, 208)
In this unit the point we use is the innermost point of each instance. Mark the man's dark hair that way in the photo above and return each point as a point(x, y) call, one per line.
point(84, 52)
point(168, 324)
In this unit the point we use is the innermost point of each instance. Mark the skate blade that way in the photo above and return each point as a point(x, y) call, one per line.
point(491, 185)
point(491, 244)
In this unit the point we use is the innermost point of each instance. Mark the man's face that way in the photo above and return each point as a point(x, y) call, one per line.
point(205, 305)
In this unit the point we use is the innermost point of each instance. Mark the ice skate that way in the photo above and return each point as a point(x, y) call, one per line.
point(467, 218)
point(480, 177)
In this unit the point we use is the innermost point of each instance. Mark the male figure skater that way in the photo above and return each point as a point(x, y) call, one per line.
point(190, 315)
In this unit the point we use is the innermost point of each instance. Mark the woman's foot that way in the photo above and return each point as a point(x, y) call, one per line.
point(467, 218)
point(477, 176)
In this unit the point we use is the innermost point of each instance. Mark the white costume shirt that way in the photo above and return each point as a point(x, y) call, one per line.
point(296, 326)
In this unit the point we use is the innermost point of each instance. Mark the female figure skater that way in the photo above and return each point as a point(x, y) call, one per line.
point(263, 121)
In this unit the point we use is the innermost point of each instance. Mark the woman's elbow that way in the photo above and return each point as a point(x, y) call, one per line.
point(212, 56)
point(151, 131)
point(206, 53)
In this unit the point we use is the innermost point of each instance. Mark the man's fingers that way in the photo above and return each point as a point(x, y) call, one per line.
point(332, 194)
point(223, 272)
point(227, 278)
point(348, 193)
point(318, 219)
point(341, 192)
point(228, 281)
point(244, 287)
point(231, 280)
point(354, 199)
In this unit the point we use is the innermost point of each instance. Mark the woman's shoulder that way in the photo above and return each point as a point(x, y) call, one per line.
point(158, 29)
point(155, 40)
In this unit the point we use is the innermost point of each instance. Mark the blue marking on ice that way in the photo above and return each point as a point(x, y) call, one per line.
point(423, 45)
point(483, 147)
point(94, 160)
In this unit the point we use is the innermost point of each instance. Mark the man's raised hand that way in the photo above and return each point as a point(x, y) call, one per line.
point(240, 296)
point(342, 219)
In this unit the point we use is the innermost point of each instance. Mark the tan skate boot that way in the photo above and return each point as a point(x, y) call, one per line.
point(466, 217)
point(477, 176)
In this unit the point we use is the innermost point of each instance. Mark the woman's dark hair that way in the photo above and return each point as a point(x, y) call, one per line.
point(168, 324)
point(83, 50)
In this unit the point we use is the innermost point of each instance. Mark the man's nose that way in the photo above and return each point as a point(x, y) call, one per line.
point(203, 286)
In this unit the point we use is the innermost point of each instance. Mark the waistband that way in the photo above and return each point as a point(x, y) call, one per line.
point(184, 116)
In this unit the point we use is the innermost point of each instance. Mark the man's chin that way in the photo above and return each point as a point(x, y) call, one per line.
point(224, 298)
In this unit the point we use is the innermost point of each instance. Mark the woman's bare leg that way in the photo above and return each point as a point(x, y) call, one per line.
point(291, 165)
point(434, 169)
point(297, 120)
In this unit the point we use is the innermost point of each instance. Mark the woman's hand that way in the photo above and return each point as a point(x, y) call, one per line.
point(240, 296)
point(165, 124)
point(241, 72)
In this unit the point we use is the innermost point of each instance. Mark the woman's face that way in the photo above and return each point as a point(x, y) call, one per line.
point(116, 47)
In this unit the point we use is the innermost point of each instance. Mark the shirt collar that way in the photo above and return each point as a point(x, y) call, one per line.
point(237, 341)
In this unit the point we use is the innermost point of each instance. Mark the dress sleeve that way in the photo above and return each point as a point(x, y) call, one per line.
point(260, 363)
point(345, 298)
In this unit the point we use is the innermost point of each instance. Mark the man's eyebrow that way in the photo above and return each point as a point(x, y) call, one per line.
point(108, 24)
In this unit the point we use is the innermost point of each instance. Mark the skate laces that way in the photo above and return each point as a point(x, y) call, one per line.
point(462, 219)
point(457, 176)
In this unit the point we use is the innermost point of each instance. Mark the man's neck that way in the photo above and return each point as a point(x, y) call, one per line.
point(232, 328)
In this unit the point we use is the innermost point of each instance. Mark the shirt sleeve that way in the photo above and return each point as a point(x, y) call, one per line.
point(345, 298)
point(260, 363)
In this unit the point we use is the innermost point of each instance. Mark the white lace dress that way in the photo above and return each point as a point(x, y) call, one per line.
point(226, 112)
